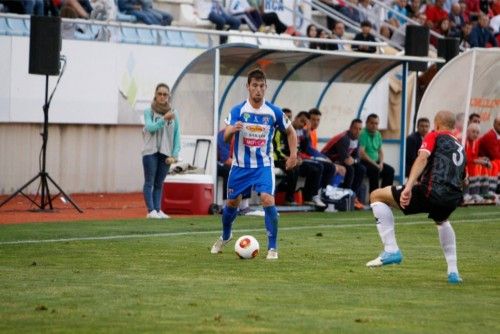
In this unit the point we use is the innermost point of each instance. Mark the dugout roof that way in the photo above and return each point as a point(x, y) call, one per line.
point(297, 78)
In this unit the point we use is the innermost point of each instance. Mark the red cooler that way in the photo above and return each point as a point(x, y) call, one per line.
point(187, 194)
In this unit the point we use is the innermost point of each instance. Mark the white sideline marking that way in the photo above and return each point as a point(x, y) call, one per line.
point(173, 234)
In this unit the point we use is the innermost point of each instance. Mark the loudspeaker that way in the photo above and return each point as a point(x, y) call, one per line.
point(45, 45)
point(417, 44)
point(448, 48)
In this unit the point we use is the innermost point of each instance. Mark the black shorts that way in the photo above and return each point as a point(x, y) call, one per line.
point(420, 203)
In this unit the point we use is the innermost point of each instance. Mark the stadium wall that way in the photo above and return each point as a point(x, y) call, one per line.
point(95, 132)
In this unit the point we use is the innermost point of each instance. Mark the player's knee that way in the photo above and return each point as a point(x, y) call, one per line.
point(267, 200)
point(375, 196)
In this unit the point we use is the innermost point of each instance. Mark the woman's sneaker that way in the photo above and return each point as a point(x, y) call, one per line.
point(162, 215)
point(153, 215)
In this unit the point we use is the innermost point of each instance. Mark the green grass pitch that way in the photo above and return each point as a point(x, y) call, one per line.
point(159, 277)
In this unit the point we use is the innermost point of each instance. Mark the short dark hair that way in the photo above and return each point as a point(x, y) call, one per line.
point(371, 116)
point(366, 23)
point(286, 110)
point(256, 74)
point(354, 121)
point(303, 113)
point(423, 120)
point(314, 111)
point(471, 116)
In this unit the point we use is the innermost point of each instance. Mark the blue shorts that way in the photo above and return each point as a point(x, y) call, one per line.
point(242, 180)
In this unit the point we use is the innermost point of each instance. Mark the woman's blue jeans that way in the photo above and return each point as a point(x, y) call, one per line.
point(155, 171)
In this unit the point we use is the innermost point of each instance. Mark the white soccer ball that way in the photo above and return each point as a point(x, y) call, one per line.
point(246, 247)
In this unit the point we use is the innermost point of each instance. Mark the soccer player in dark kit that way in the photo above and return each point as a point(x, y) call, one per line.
point(435, 186)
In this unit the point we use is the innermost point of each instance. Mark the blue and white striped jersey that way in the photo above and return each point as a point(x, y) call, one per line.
point(253, 145)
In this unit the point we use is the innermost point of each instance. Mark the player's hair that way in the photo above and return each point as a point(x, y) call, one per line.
point(314, 111)
point(303, 113)
point(256, 74)
point(354, 121)
point(446, 119)
point(371, 116)
point(423, 120)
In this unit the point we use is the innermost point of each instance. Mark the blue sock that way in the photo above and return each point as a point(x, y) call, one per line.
point(271, 220)
point(228, 216)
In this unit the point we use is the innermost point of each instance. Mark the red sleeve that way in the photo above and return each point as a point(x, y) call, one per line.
point(429, 142)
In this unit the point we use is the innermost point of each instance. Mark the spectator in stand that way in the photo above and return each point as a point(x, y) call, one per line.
point(270, 18)
point(415, 8)
point(414, 141)
point(343, 149)
point(481, 36)
point(213, 11)
point(444, 29)
point(464, 35)
point(435, 14)
point(351, 12)
point(164, 17)
point(30, 7)
point(489, 146)
point(457, 19)
point(365, 11)
point(400, 8)
point(372, 155)
point(472, 9)
point(338, 33)
point(495, 7)
point(83, 8)
point(242, 10)
point(477, 167)
point(366, 36)
point(137, 9)
point(314, 120)
point(312, 32)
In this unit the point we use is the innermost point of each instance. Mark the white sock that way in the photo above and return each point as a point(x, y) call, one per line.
point(448, 244)
point(385, 226)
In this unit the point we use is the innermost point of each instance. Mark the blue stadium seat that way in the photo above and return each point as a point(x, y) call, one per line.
point(162, 37)
point(189, 40)
point(4, 29)
point(17, 26)
point(129, 35)
point(174, 38)
point(147, 36)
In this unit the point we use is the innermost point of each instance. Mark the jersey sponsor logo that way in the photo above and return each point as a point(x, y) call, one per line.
point(265, 120)
point(254, 128)
point(246, 116)
point(254, 142)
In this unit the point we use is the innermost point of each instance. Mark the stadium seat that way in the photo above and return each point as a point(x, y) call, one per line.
point(129, 35)
point(190, 40)
point(174, 38)
point(4, 29)
point(147, 36)
point(17, 26)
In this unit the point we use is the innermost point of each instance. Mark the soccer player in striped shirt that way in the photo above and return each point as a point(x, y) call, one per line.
point(252, 123)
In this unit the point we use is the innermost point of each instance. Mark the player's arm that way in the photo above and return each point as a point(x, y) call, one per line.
point(292, 145)
point(233, 125)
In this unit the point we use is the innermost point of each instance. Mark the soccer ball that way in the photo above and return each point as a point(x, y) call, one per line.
point(246, 247)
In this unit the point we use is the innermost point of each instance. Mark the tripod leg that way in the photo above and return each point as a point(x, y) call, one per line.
point(64, 194)
point(20, 190)
point(46, 198)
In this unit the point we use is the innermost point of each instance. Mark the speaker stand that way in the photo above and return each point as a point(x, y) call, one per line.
point(43, 187)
